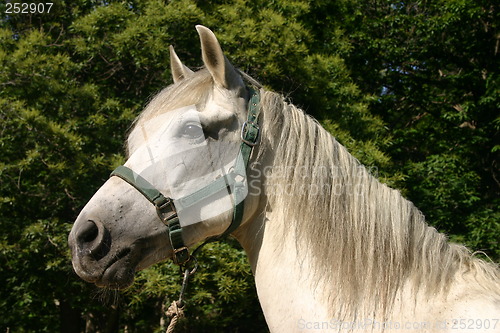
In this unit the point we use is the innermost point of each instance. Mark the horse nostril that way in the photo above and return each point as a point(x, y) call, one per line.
point(88, 233)
point(93, 239)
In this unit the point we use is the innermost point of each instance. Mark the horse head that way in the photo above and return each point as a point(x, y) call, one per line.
point(184, 147)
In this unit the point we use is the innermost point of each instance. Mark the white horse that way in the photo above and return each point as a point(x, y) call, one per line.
point(332, 249)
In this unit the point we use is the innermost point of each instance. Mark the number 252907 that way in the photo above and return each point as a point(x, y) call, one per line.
point(28, 8)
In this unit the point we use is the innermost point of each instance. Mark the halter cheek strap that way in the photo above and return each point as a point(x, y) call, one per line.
point(165, 209)
point(234, 181)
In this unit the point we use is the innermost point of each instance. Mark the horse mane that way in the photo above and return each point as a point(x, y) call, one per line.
point(367, 241)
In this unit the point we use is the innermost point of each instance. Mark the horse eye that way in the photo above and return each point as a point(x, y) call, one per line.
point(192, 131)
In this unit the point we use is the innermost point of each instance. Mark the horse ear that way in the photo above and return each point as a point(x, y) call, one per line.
point(217, 64)
point(179, 70)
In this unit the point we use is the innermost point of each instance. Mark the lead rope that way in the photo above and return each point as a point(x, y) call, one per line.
point(176, 310)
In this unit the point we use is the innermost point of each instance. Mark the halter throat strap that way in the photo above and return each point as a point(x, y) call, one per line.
point(167, 208)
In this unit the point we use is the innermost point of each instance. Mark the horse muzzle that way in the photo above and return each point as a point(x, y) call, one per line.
point(94, 258)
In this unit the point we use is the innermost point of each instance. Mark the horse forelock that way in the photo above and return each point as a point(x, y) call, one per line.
point(366, 240)
point(194, 89)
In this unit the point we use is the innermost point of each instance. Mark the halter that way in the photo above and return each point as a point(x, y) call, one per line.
point(168, 208)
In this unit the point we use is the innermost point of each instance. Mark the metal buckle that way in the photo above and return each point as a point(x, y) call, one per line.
point(244, 132)
point(166, 209)
point(176, 257)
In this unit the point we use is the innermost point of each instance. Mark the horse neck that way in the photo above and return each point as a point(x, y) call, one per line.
point(286, 288)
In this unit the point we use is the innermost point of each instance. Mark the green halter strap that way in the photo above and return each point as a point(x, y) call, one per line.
point(234, 181)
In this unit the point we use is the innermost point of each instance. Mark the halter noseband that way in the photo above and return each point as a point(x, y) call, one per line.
point(167, 208)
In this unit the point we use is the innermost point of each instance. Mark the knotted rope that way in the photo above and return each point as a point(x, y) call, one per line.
point(175, 312)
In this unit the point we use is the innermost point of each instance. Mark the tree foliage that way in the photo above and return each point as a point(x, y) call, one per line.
point(434, 67)
point(411, 88)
